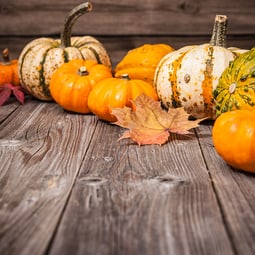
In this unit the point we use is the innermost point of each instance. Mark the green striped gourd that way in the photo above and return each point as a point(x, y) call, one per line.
point(236, 87)
point(187, 77)
point(41, 57)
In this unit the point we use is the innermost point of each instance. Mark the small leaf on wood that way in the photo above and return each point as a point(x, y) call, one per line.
point(19, 94)
point(150, 124)
point(7, 89)
point(4, 95)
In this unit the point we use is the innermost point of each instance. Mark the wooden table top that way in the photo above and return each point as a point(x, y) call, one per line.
point(67, 186)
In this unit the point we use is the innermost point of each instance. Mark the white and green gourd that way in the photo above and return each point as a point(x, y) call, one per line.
point(187, 77)
point(41, 57)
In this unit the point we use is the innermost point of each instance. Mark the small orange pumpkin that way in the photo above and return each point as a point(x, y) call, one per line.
point(141, 62)
point(9, 69)
point(72, 82)
point(117, 93)
point(233, 137)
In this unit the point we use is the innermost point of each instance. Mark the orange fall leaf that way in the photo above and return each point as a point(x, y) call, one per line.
point(150, 124)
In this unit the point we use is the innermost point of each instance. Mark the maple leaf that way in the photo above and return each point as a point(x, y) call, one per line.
point(150, 124)
point(7, 89)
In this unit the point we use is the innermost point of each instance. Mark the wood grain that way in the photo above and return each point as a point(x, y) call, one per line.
point(118, 46)
point(238, 212)
point(122, 26)
point(134, 17)
point(67, 186)
point(142, 200)
point(38, 167)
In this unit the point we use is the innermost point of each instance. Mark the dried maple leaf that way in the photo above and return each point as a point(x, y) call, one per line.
point(150, 124)
point(7, 89)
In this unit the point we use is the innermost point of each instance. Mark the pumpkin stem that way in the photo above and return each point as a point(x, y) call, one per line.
point(6, 56)
point(70, 20)
point(83, 71)
point(125, 76)
point(219, 34)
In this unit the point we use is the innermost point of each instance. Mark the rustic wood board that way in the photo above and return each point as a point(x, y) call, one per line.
point(41, 149)
point(134, 17)
point(142, 200)
point(235, 194)
point(118, 46)
point(67, 186)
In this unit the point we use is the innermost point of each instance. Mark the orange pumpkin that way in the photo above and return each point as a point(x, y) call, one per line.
point(140, 63)
point(72, 82)
point(117, 93)
point(9, 69)
point(233, 137)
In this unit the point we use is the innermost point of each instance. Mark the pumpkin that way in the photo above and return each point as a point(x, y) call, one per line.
point(117, 93)
point(187, 77)
point(236, 87)
point(42, 56)
point(233, 137)
point(72, 82)
point(9, 69)
point(140, 63)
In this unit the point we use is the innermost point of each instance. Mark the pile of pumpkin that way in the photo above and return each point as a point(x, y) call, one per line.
point(208, 80)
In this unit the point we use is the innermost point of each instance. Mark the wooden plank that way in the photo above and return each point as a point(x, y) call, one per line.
point(134, 17)
point(7, 109)
point(41, 150)
point(235, 191)
point(131, 199)
point(117, 46)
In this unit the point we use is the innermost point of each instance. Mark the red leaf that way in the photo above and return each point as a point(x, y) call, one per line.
point(19, 94)
point(7, 89)
point(4, 95)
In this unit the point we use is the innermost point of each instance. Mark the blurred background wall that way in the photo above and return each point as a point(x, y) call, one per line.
point(122, 25)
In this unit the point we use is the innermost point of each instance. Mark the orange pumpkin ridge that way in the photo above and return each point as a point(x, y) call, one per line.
point(207, 84)
point(173, 79)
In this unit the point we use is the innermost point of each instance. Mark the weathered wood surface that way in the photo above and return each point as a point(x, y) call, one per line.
point(117, 47)
point(67, 186)
point(121, 26)
point(131, 17)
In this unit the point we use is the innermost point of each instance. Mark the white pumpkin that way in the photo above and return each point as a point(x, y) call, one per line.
point(187, 77)
point(41, 57)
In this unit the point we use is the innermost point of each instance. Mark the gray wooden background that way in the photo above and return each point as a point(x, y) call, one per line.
point(122, 25)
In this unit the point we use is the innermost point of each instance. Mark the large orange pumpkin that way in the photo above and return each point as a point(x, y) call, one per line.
point(72, 82)
point(117, 93)
point(233, 137)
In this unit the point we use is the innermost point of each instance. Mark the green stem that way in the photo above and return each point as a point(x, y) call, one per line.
point(219, 34)
point(70, 20)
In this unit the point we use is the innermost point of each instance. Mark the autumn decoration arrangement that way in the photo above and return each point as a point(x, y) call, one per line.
point(153, 90)
point(41, 57)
